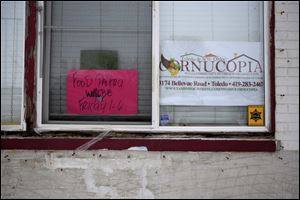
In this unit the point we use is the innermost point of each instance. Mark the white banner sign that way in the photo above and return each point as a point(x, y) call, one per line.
point(211, 73)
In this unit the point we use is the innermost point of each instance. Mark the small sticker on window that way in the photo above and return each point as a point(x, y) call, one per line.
point(256, 115)
point(164, 120)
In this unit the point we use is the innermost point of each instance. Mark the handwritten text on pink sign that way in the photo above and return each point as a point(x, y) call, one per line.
point(102, 92)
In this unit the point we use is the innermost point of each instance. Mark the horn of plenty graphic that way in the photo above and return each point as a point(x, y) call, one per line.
point(170, 65)
point(164, 61)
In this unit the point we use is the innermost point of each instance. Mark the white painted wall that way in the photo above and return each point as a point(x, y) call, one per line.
point(287, 73)
point(131, 174)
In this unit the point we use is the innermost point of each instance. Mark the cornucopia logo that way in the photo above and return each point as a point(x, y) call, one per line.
point(208, 63)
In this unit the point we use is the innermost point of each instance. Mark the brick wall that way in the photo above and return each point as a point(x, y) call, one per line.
point(287, 73)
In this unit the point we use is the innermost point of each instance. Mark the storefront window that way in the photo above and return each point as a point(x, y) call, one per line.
point(211, 63)
point(155, 65)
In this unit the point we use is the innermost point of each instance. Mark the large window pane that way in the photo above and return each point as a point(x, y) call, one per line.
point(12, 60)
point(197, 41)
point(99, 35)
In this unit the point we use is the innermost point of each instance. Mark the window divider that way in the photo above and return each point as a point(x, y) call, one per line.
point(155, 64)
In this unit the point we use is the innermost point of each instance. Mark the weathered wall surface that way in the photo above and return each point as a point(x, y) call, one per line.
point(287, 73)
point(129, 174)
point(132, 174)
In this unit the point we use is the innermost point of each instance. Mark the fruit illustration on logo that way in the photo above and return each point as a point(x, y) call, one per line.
point(171, 65)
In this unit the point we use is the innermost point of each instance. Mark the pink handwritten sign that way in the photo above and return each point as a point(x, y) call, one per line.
point(102, 92)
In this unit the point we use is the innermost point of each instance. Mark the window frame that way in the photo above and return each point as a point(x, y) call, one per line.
point(154, 127)
point(22, 125)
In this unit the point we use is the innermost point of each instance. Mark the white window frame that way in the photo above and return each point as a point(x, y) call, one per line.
point(22, 125)
point(154, 127)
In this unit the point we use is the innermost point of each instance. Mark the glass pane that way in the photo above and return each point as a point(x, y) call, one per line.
point(104, 41)
point(12, 60)
point(211, 69)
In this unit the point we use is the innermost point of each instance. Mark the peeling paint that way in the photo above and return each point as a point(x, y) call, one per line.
point(101, 190)
point(30, 68)
point(144, 191)
point(108, 166)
